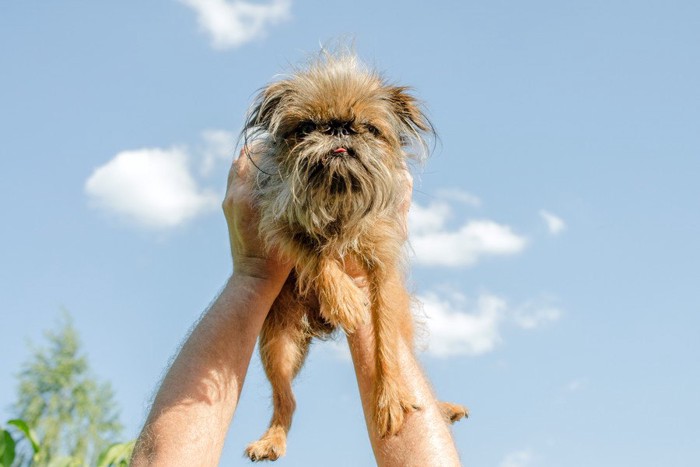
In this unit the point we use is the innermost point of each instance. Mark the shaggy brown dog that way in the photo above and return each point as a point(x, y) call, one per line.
point(332, 145)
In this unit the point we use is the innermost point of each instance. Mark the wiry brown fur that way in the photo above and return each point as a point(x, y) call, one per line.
point(319, 208)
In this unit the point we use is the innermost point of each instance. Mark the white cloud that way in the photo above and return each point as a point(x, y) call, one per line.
point(436, 245)
point(555, 224)
point(459, 327)
point(433, 217)
point(466, 245)
point(424, 220)
point(456, 194)
point(534, 315)
point(454, 331)
point(219, 145)
point(152, 187)
point(518, 459)
point(233, 23)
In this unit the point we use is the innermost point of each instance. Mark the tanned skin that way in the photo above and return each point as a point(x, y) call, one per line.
point(197, 399)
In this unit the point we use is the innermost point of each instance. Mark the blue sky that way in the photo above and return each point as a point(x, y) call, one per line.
point(556, 227)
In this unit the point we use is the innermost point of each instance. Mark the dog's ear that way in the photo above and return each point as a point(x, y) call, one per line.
point(264, 115)
point(408, 110)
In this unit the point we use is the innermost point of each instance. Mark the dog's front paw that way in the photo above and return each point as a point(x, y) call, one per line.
point(270, 447)
point(348, 307)
point(391, 410)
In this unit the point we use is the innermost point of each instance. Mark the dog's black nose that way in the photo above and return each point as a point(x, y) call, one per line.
point(339, 128)
point(342, 131)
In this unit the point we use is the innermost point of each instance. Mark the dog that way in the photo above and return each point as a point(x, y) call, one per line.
point(332, 141)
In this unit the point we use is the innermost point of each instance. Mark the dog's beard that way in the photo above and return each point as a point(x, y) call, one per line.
point(324, 197)
point(314, 198)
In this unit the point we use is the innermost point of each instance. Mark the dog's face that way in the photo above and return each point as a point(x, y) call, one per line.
point(335, 135)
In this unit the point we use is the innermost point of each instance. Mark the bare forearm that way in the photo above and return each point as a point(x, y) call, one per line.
point(191, 413)
point(425, 439)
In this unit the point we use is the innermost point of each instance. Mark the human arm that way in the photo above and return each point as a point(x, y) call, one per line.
point(425, 438)
point(193, 408)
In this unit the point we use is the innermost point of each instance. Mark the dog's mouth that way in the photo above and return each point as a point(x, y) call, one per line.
point(340, 153)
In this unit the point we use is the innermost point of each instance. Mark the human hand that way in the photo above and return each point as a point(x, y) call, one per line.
point(250, 257)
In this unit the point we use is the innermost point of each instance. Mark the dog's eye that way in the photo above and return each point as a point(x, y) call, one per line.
point(373, 129)
point(305, 128)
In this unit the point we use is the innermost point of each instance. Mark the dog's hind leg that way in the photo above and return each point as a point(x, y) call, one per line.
point(284, 344)
point(453, 412)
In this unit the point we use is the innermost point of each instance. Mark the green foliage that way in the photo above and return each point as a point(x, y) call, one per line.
point(28, 433)
point(74, 415)
point(7, 448)
point(116, 455)
point(8, 443)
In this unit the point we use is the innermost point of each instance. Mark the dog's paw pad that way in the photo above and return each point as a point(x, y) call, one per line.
point(270, 447)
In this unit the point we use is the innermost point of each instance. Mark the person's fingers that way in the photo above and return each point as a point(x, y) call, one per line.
point(408, 191)
point(409, 182)
point(239, 172)
point(243, 163)
point(406, 203)
point(233, 171)
point(357, 272)
point(353, 267)
point(236, 188)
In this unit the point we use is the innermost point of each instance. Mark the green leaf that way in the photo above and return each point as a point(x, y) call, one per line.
point(22, 426)
point(8, 449)
point(65, 461)
point(117, 454)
